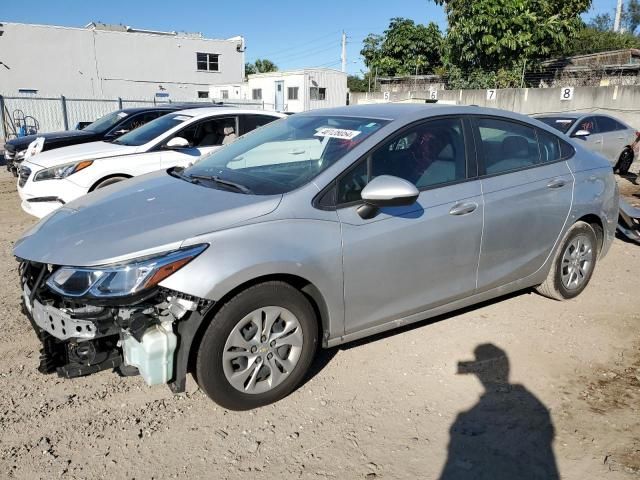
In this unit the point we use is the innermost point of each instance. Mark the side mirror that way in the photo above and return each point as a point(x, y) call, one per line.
point(176, 143)
point(386, 191)
point(581, 134)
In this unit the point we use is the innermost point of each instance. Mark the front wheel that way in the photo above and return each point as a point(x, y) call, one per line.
point(624, 162)
point(109, 181)
point(573, 264)
point(258, 347)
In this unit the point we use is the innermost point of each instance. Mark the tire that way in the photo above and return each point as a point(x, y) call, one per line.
point(624, 162)
point(232, 330)
point(108, 181)
point(556, 285)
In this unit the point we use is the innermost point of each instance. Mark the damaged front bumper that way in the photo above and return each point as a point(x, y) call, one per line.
point(150, 335)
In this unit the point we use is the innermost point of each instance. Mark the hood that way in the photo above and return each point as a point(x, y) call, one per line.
point(141, 216)
point(76, 153)
point(21, 143)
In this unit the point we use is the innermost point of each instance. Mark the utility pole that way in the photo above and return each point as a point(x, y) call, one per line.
point(616, 23)
point(343, 56)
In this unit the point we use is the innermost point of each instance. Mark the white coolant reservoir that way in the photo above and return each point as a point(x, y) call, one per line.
point(153, 356)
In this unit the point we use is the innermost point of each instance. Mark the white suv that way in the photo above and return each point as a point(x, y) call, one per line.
point(55, 177)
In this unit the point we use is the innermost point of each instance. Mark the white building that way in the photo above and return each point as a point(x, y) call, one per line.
point(110, 61)
point(289, 91)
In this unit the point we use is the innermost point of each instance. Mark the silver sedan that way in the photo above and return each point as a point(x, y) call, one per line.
point(603, 134)
point(316, 230)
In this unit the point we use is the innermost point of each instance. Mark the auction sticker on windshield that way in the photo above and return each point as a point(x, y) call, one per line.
point(337, 133)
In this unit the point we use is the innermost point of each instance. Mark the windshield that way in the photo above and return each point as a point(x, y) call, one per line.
point(105, 123)
point(286, 154)
point(151, 130)
point(559, 123)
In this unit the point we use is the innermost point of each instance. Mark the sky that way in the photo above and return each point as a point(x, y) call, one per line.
point(291, 34)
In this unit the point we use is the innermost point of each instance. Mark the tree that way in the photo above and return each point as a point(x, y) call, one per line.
point(404, 48)
point(631, 16)
point(601, 22)
point(358, 84)
point(261, 65)
point(494, 35)
point(593, 40)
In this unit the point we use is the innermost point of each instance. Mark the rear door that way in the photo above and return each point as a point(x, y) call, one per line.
point(614, 137)
point(527, 188)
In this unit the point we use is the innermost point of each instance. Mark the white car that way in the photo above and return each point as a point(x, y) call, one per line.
point(53, 178)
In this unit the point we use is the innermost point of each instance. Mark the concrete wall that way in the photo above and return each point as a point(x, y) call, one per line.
point(622, 102)
point(79, 62)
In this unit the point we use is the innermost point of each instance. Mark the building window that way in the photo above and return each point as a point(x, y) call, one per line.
point(225, 94)
point(207, 62)
point(203, 94)
point(256, 94)
point(292, 93)
point(317, 93)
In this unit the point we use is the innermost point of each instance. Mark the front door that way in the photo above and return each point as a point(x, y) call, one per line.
point(406, 260)
point(594, 141)
point(279, 101)
point(527, 191)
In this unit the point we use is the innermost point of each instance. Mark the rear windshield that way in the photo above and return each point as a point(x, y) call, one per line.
point(151, 130)
point(559, 123)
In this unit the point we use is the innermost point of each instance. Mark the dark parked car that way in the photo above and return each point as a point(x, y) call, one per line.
point(109, 127)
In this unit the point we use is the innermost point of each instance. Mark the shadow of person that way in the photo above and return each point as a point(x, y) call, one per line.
point(508, 434)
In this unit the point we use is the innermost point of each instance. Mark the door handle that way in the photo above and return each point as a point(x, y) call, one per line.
point(598, 141)
point(556, 183)
point(463, 208)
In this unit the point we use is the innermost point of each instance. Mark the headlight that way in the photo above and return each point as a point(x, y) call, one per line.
point(120, 280)
point(61, 171)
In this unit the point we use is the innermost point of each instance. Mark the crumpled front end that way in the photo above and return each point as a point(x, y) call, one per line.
point(149, 333)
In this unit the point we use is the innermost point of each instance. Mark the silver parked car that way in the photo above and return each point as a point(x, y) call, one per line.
point(317, 229)
point(606, 135)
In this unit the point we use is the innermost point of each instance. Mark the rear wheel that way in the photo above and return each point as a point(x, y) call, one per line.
point(624, 162)
point(573, 264)
point(109, 181)
point(258, 347)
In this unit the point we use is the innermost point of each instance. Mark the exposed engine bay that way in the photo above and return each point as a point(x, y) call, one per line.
point(148, 334)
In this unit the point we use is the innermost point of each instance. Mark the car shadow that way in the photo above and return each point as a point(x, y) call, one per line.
point(507, 434)
point(324, 355)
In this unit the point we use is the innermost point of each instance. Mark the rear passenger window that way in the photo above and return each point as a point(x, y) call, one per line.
point(251, 122)
point(549, 147)
point(607, 124)
point(507, 146)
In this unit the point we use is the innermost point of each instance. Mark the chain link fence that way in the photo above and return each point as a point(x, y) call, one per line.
point(27, 115)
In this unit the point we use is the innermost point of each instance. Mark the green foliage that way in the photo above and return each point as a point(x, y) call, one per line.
point(357, 84)
point(592, 40)
point(502, 78)
point(261, 65)
point(494, 35)
point(601, 22)
point(631, 16)
point(404, 48)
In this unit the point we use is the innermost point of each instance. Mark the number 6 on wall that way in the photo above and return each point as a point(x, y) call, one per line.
point(566, 93)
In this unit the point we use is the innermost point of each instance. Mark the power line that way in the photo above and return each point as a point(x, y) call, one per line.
point(297, 47)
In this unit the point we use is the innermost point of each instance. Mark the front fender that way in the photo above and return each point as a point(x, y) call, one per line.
point(306, 248)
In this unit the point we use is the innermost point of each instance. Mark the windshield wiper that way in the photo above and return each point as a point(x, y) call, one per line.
point(221, 181)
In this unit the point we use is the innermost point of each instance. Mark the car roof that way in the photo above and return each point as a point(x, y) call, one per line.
point(572, 115)
point(225, 110)
point(170, 107)
point(412, 111)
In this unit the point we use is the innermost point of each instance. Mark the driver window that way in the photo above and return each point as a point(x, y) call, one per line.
point(427, 155)
point(589, 124)
point(213, 132)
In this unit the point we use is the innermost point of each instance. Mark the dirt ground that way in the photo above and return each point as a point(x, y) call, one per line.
point(390, 407)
